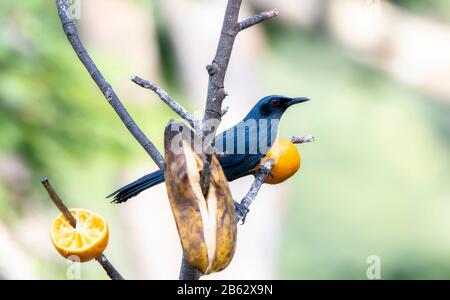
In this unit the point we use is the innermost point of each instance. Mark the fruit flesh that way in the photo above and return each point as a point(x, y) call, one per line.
point(87, 240)
point(287, 161)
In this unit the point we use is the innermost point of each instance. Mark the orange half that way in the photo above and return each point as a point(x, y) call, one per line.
point(83, 243)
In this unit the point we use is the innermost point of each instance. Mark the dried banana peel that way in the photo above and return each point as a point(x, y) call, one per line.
point(207, 227)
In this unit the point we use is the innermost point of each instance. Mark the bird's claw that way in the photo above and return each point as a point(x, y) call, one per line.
point(241, 210)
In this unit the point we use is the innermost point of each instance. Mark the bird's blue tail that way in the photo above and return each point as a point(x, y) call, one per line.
point(137, 186)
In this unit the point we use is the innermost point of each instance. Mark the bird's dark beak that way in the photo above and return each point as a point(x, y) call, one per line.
point(293, 101)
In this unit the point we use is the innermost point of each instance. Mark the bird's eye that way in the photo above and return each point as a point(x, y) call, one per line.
point(275, 102)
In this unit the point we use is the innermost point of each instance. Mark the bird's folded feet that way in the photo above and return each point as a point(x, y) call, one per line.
point(241, 210)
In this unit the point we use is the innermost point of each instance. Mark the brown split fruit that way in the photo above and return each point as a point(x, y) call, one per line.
point(206, 226)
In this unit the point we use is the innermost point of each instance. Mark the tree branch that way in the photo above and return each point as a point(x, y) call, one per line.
point(164, 96)
point(102, 260)
point(225, 110)
point(109, 268)
point(303, 139)
point(256, 19)
point(245, 203)
point(72, 35)
point(216, 93)
point(217, 71)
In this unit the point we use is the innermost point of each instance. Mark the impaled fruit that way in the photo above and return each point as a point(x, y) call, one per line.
point(287, 161)
point(206, 226)
point(85, 242)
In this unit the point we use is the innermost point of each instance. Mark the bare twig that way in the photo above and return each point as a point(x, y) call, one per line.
point(109, 268)
point(303, 139)
point(225, 110)
point(260, 176)
point(58, 202)
point(164, 96)
point(71, 32)
point(256, 19)
point(104, 262)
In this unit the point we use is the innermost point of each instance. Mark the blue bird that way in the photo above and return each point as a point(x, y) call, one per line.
point(240, 148)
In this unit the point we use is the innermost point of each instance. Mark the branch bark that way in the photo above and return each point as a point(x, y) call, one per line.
point(216, 92)
point(102, 260)
point(217, 71)
point(260, 176)
point(72, 35)
point(109, 268)
point(256, 19)
point(164, 96)
point(303, 139)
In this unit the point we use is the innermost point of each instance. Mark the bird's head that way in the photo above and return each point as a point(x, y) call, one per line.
point(273, 107)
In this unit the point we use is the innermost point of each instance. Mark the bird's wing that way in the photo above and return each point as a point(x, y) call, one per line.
point(238, 149)
point(239, 165)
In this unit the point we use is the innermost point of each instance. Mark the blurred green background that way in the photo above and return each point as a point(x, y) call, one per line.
point(376, 181)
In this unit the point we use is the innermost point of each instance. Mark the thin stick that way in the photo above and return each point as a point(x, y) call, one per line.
point(260, 176)
point(225, 110)
point(58, 202)
point(256, 19)
point(164, 96)
point(72, 35)
point(104, 262)
point(303, 139)
point(109, 268)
